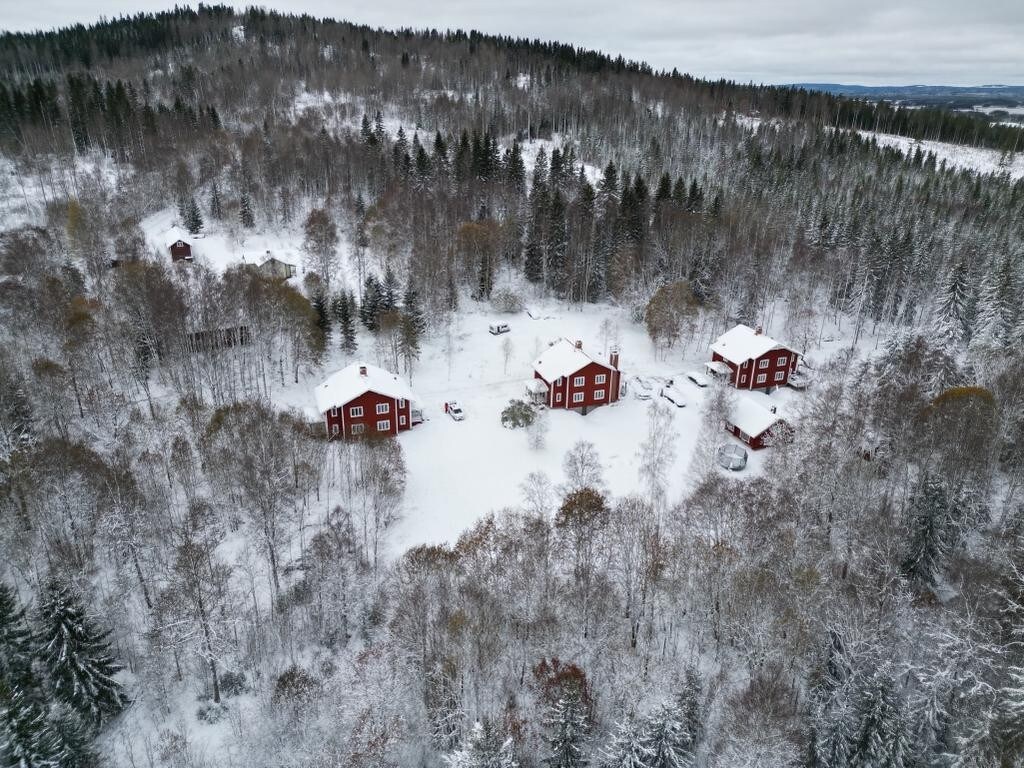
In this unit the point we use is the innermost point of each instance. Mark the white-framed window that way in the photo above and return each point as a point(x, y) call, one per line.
point(401, 402)
point(762, 378)
point(577, 397)
point(763, 363)
point(401, 421)
point(334, 411)
point(780, 375)
point(578, 381)
point(601, 378)
point(783, 359)
point(356, 411)
point(743, 379)
point(384, 425)
point(383, 408)
point(334, 429)
point(358, 429)
point(599, 394)
point(558, 397)
point(558, 381)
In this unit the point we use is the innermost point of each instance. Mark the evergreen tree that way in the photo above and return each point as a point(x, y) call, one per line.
point(245, 213)
point(557, 245)
point(690, 704)
point(413, 325)
point(951, 314)
point(216, 207)
point(567, 726)
point(389, 291)
point(627, 748)
point(76, 656)
point(323, 313)
point(15, 643)
point(929, 511)
point(666, 739)
point(193, 217)
point(27, 739)
point(881, 736)
point(483, 748)
point(371, 307)
point(341, 310)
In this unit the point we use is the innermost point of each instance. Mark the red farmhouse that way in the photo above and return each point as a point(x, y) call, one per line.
point(574, 380)
point(755, 424)
point(751, 360)
point(363, 399)
point(180, 248)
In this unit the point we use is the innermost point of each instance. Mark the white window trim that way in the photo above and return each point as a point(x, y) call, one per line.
point(599, 394)
point(762, 363)
point(358, 429)
point(558, 397)
point(601, 378)
point(743, 379)
point(356, 411)
point(579, 381)
point(401, 402)
point(334, 429)
point(401, 421)
point(384, 425)
point(762, 378)
point(383, 408)
point(334, 410)
point(780, 375)
point(577, 397)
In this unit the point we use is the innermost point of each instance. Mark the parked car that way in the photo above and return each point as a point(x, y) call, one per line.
point(673, 395)
point(698, 378)
point(453, 409)
point(497, 329)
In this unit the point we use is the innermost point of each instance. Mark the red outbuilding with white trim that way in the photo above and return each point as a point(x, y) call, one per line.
point(750, 360)
point(363, 400)
point(574, 380)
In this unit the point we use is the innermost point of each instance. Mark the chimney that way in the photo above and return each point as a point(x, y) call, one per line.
point(362, 370)
point(579, 344)
point(613, 358)
point(759, 331)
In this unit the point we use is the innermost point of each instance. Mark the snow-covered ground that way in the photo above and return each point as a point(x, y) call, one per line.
point(960, 156)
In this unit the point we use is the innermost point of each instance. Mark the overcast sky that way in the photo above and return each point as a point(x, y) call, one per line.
point(873, 42)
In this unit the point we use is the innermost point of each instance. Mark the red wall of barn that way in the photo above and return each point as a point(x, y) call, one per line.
point(560, 395)
point(779, 361)
point(342, 416)
point(179, 252)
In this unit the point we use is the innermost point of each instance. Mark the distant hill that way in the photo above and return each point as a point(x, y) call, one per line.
point(953, 97)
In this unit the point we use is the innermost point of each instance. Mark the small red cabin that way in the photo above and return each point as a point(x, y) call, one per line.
point(574, 380)
point(180, 248)
point(751, 360)
point(363, 400)
point(756, 424)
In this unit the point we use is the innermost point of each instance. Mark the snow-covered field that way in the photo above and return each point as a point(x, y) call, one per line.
point(956, 155)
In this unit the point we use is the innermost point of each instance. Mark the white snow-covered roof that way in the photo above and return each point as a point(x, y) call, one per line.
point(752, 414)
point(347, 384)
point(743, 343)
point(562, 358)
point(174, 234)
point(536, 386)
point(718, 367)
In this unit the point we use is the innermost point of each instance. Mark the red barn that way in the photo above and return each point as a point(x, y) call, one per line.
point(751, 360)
point(756, 424)
point(180, 248)
point(364, 400)
point(574, 380)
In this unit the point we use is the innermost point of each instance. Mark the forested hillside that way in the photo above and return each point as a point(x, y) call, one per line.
point(193, 575)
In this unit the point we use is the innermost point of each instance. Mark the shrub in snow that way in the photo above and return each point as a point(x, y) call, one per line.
point(517, 414)
point(294, 684)
point(211, 712)
point(506, 301)
point(233, 683)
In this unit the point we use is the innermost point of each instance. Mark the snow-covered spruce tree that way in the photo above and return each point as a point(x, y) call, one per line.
point(193, 218)
point(927, 540)
point(483, 748)
point(341, 310)
point(950, 321)
point(666, 738)
point(568, 728)
point(216, 206)
point(26, 738)
point(15, 643)
point(691, 705)
point(881, 739)
point(246, 217)
point(627, 748)
point(76, 656)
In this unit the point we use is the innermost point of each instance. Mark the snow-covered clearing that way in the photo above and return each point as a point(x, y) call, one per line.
point(960, 156)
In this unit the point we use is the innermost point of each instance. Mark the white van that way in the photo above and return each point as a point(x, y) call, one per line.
point(498, 328)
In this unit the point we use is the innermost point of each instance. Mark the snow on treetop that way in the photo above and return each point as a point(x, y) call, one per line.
point(743, 343)
point(562, 358)
point(357, 379)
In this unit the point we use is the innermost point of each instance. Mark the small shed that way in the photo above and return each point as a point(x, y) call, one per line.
point(180, 248)
point(756, 423)
point(536, 391)
point(274, 268)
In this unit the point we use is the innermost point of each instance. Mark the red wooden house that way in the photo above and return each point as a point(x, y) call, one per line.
point(750, 360)
point(364, 400)
point(180, 248)
point(756, 424)
point(574, 380)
